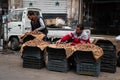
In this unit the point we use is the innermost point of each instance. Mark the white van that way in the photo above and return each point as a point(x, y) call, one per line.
point(17, 24)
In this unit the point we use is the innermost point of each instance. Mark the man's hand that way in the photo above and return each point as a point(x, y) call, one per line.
point(59, 41)
point(35, 30)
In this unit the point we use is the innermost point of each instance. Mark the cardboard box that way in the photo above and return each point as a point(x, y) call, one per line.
point(50, 22)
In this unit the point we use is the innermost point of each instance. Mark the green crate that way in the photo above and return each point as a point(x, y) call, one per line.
point(92, 69)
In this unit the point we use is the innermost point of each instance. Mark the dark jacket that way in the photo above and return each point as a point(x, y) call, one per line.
point(37, 24)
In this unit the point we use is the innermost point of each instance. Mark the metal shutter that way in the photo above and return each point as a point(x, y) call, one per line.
point(48, 6)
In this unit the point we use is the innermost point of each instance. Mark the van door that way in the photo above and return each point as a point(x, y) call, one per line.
point(15, 24)
point(26, 22)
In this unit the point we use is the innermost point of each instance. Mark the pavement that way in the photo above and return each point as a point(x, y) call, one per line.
point(11, 69)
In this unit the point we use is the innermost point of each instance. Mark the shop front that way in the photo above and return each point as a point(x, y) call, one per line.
point(104, 16)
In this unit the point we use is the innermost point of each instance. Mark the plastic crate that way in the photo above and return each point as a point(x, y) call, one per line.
point(33, 60)
point(58, 69)
point(32, 52)
point(33, 63)
point(84, 56)
point(56, 53)
point(91, 69)
point(106, 45)
point(109, 56)
point(108, 67)
point(107, 42)
point(34, 66)
point(112, 66)
point(113, 52)
point(109, 70)
point(58, 65)
point(109, 60)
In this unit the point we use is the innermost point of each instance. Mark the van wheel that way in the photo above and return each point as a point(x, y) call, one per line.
point(14, 44)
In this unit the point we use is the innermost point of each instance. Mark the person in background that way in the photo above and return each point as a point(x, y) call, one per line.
point(37, 23)
point(79, 36)
point(4, 16)
point(59, 22)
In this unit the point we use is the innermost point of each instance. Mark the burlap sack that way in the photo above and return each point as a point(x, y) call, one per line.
point(97, 51)
point(36, 42)
point(35, 34)
point(68, 48)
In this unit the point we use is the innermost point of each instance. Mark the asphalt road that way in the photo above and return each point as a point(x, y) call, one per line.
point(11, 69)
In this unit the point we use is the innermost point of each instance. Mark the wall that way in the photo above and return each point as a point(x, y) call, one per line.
point(15, 4)
point(74, 11)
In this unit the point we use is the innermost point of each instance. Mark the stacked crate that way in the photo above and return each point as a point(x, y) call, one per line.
point(118, 59)
point(86, 64)
point(57, 60)
point(109, 59)
point(33, 58)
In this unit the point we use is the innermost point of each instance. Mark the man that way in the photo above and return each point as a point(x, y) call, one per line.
point(37, 23)
point(59, 22)
point(79, 36)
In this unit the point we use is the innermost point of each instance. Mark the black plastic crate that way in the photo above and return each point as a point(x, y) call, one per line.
point(109, 56)
point(32, 58)
point(112, 66)
point(34, 66)
point(33, 61)
point(84, 56)
point(53, 57)
point(56, 53)
point(91, 69)
point(108, 65)
point(58, 65)
point(58, 69)
point(110, 52)
point(108, 60)
point(106, 42)
point(106, 45)
point(118, 61)
point(107, 69)
point(32, 52)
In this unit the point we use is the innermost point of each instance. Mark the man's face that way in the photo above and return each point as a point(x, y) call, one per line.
point(78, 30)
point(30, 17)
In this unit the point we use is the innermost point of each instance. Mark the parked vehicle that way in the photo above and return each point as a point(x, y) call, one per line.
point(17, 24)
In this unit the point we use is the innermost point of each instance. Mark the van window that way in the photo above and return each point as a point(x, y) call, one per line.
point(15, 16)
